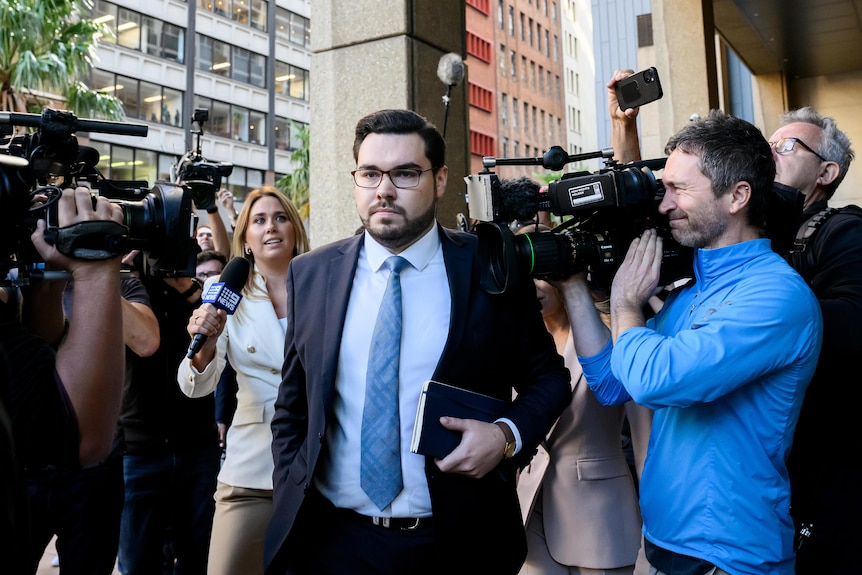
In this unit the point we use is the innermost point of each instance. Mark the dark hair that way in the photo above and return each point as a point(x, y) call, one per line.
point(209, 255)
point(402, 122)
point(731, 150)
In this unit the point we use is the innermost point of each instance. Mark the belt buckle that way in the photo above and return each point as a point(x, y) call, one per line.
point(411, 527)
point(381, 521)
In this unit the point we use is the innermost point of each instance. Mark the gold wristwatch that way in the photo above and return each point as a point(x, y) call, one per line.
point(509, 448)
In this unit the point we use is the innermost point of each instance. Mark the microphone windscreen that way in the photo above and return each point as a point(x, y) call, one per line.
point(450, 69)
point(225, 293)
point(88, 156)
point(519, 198)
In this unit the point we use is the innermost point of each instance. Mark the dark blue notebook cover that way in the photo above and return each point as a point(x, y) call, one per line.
point(439, 399)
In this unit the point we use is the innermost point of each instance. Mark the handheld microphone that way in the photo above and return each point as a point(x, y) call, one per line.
point(224, 294)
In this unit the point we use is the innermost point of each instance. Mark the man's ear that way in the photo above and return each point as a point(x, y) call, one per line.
point(828, 173)
point(740, 195)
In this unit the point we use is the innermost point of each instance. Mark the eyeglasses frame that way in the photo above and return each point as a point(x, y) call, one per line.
point(389, 175)
point(796, 141)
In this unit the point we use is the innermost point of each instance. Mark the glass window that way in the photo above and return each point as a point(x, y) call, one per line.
point(282, 133)
point(121, 164)
point(106, 13)
point(282, 24)
point(256, 127)
point(219, 122)
point(174, 100)
point(295, 140)
point(151, 34)
point(239, 123)
point(129, 29)
point(221, 59)
point(173, 42)
point(258, 14)
point(300, 30)
point(151, 102)
point(205, 52)
point(145, 166)
point(241, 64)
point(240, 11)
point(126, 89)
point(257, 70)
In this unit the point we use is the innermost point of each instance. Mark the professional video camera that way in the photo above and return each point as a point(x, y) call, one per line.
point(35, 168)
point(607, 210)
point(200, 176)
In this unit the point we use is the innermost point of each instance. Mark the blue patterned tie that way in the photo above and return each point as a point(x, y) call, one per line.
point(380, 470)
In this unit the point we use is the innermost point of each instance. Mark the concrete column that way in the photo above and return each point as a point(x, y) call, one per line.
point(369, 55)
point(685, 54)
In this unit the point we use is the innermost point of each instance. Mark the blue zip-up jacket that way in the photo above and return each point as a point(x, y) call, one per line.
point(725, 365)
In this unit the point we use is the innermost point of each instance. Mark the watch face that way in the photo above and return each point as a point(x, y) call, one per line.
point(509, 451)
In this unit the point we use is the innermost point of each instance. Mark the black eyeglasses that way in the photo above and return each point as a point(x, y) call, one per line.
point(786, 145)
point(400, 177)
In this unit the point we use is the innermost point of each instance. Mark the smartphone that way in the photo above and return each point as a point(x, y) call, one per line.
point(638, 89)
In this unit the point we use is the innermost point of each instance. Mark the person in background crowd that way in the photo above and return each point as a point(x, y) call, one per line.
point(209, 263)
point(813, 155)
point(724, 364)
point(172, 455)
point(335, 514)
point(270, 233)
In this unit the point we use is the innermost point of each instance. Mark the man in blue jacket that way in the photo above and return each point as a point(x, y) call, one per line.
point(724, 364)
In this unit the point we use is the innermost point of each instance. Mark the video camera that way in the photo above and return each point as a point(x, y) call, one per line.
point(200, 176)
point(35, 168)
point(607, 210)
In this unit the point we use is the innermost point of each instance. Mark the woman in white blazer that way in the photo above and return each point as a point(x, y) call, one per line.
point(269, 232)
point(578, 496)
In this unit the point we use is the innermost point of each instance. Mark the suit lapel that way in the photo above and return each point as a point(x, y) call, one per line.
point(458, 259)
point(339, 282)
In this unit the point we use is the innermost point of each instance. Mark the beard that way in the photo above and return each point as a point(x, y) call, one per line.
point(703, 228)
point(397, 236)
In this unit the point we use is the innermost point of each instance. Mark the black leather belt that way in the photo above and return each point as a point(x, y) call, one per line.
point(400, 523)
point(324, 506)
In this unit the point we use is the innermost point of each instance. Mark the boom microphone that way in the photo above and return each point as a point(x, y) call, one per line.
point(224, 294)
point(450, 69)
point(519, 199)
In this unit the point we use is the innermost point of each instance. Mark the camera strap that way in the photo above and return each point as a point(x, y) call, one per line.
point(90, 240)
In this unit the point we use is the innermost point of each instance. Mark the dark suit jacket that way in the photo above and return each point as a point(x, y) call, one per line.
point(496, 342)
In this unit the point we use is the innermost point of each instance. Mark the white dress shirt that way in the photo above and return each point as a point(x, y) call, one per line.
point(426, 304)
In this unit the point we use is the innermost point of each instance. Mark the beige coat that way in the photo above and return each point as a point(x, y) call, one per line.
point(590, 506)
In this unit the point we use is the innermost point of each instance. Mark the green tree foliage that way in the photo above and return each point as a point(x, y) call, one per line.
point(47, 49)
point(296, 185)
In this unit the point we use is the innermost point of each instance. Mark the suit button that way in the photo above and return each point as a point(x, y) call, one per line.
point(250, 349)
point(273, 371)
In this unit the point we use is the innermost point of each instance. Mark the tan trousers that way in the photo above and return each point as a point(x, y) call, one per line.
point(239, 527)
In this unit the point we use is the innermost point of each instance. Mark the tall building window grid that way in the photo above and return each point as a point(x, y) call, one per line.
point(141, 33)
point(478, 47)
point(231, 61)
point(163, 105)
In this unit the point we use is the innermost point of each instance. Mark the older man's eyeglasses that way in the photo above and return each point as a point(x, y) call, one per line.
point(400, 177)
point(786, 145)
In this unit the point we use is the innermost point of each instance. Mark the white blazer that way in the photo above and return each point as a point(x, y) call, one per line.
point(253, 339)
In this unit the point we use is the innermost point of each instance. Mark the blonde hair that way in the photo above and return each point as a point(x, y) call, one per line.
point(301, 244)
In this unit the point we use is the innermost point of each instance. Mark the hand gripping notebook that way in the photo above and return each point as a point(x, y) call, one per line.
point(439, 399)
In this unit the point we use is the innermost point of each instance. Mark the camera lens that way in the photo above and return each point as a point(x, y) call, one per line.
point(649, 77)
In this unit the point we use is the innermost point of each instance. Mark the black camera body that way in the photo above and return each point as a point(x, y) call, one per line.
point(35, 168)
point(200, 176)
point(604, 211)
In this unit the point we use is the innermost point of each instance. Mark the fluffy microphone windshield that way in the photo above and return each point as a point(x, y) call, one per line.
point(450, 69)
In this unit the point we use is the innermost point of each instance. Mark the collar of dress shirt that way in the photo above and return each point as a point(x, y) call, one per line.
point(419, 254)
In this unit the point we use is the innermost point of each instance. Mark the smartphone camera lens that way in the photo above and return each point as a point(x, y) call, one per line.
point(649, 77)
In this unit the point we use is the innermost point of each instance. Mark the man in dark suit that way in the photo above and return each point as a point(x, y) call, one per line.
point(456, 514)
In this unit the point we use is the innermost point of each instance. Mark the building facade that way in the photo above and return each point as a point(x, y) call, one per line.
point(245, 61)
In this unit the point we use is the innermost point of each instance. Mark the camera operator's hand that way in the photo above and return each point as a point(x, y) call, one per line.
point(635, 282)
point(624, 128)
point(617, 115)
point(76, 206)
